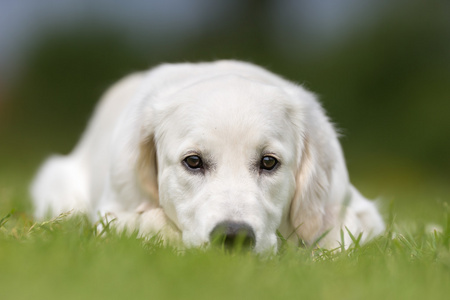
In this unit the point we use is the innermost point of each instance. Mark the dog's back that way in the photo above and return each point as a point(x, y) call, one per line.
point(75, 181)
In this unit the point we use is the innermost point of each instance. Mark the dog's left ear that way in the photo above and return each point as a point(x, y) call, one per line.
point(321, 168)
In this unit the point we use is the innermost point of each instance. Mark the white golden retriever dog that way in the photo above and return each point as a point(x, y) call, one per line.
point(194, 151)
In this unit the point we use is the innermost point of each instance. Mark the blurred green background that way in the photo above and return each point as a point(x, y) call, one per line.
point(380, 68)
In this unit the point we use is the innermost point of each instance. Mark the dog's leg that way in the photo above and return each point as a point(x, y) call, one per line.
point(145, 221)
point(59, 187)
point(370, 221)
point(357, 215)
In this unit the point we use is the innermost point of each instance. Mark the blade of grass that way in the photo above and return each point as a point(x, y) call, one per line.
point(342, 241)
point(5, 219)
point(323, 235)
point(354, 240)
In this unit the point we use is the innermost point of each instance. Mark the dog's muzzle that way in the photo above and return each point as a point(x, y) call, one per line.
point(233, 235)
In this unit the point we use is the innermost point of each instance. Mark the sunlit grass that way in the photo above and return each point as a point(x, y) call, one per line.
point(65, 258)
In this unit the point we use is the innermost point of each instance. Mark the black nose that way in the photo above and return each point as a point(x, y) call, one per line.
point(233, 235)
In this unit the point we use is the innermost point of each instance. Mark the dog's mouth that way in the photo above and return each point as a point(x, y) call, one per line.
point(231, 235)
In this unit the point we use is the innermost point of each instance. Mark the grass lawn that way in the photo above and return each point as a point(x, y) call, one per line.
point(63, 259)
point(388, 85)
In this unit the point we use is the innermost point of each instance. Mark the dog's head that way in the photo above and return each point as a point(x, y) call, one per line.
point(231, 155)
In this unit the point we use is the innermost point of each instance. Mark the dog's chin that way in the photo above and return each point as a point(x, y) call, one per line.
point(192, 239)
point(265, 247)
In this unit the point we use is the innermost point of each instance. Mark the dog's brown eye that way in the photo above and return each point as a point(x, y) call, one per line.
point(193, 162)
point(268, 163)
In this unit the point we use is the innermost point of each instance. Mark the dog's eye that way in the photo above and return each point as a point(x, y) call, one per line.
point(193, 162)
point(268, 163)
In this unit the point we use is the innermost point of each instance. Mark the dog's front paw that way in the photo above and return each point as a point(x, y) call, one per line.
point(155, 221)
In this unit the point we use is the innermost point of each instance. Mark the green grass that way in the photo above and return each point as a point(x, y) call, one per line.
point(63, 258)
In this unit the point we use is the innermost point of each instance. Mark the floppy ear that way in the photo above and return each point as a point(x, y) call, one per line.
point(147, 167)
point(133, 165)
point(320, 161)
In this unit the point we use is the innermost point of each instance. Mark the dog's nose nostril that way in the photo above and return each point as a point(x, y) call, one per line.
point(233, 235)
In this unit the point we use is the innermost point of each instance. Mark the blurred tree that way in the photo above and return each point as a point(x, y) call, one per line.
point(386, 86)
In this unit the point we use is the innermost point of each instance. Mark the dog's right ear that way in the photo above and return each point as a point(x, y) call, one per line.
point(147, 168)
point(133, 165)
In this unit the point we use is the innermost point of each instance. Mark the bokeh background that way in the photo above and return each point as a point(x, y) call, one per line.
point(381, 69)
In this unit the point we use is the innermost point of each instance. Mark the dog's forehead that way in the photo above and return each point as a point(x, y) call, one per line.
point(229, 112)
point(232, 105)
point(228, 86)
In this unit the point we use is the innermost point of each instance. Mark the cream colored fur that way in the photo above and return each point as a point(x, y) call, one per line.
point(128, 164)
